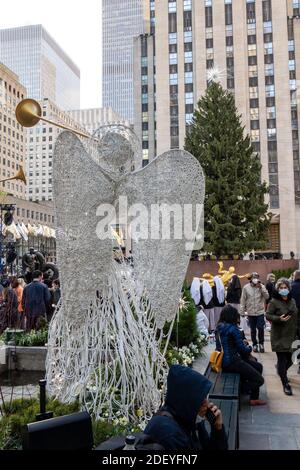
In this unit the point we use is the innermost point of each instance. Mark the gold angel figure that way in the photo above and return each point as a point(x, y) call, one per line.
point(224, 275)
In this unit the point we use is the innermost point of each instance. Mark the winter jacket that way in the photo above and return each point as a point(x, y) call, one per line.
point(230, 337)
point(283, 334)
point(187, 389)
point(253, 300)
point(215, 298)
point(56, 296)
point(36, 298)
point(270, 286)
point(296, 296)
point(234, 291)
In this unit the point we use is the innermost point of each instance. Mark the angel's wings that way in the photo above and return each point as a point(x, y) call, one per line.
point(173, 183)
point(79, 188)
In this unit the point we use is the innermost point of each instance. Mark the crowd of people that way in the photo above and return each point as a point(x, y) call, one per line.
point(179, 423)
point(28, 306)
point(253, 306)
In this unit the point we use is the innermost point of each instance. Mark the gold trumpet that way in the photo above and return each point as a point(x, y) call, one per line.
point(29, 113)
point(19, 176)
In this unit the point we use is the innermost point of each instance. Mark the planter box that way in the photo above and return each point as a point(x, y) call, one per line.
point(26, 358)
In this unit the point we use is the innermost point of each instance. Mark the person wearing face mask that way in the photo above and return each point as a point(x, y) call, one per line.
point(283, 313)
point(254, 297)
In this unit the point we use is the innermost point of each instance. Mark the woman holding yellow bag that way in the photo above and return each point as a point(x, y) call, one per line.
point(237, 354)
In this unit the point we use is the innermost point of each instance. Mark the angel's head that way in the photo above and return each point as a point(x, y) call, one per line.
point(116, 154)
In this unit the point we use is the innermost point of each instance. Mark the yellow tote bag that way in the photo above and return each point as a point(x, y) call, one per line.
point(216, 359)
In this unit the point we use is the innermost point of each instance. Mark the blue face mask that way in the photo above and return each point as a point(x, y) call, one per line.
point(284, 292)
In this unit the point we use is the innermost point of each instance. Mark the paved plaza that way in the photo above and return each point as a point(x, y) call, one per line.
point(25, 385)
point(272, 427)
point(277, 425)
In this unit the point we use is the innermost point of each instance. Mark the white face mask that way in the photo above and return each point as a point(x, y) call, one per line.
point(255, 281)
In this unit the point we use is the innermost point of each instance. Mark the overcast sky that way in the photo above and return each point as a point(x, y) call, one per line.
point(76, 26)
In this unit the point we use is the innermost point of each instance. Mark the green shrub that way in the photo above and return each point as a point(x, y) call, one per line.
point(286, 273)
point(22, 412)
point(185, 329)
point(102, 430)
point(29, 339)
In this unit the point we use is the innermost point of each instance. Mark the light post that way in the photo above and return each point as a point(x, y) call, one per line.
point(7, 218)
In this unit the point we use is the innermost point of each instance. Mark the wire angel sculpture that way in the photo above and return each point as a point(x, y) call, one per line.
point(105, 337)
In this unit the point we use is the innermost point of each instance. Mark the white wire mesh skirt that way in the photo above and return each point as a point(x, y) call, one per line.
point(110, 357)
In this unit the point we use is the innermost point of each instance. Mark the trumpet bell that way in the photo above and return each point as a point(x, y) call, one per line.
point(21, 175)
point(28, 112)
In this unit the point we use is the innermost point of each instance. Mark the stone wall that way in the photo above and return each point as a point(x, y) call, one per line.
point(24, 358)
point(263, 267)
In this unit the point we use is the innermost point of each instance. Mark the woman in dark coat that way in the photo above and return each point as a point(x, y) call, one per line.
point(237, 354)
point(283, 313)
point(234, 292)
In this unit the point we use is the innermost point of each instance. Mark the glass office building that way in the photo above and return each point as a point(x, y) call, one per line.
point(122, 21)
point(43, 67)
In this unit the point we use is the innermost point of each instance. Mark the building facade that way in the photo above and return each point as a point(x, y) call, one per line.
point(12, 135)
point(252, 46)
point(92, 119)
point(121, 22)
point(43, 67)
point(38, 219)
point(40, 146)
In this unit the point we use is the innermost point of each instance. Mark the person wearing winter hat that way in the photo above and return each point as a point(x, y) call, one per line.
point(283, 313)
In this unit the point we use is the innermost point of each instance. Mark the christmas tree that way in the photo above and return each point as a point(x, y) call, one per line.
point(236, 218)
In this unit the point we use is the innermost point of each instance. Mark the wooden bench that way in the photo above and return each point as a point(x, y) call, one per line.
point(225, 386)
point(230, 414)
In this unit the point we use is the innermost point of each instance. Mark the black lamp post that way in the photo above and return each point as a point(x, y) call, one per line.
point(43, 414)
point(8, 219)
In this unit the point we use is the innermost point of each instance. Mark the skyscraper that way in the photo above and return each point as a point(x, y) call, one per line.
point(121, 22)
point(40, 146)
point(12, 135)
point(42, 66)
point(92, 119)
point(253, 46)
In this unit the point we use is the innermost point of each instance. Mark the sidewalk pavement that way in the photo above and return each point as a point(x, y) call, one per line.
point(277, 425)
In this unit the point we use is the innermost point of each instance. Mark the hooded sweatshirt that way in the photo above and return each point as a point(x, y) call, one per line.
point(187, 389)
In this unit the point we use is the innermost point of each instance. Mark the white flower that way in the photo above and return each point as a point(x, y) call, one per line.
point(123, 421)
point(142, 425)
point(182, 304)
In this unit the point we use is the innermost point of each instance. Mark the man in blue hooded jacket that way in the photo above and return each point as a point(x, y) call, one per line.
point(179, 424)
